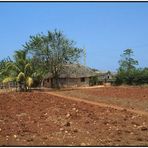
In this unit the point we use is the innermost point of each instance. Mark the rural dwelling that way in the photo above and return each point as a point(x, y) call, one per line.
point(106, 77)
point(72, 75)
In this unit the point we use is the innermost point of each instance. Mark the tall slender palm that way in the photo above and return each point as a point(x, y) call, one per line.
point(20, 70)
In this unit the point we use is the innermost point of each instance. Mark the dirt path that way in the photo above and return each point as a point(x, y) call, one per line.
point(99, 104)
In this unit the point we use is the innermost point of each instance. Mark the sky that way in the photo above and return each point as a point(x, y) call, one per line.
point(105, 29)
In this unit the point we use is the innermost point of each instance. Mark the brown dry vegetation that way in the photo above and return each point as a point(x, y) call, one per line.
point(39, 118)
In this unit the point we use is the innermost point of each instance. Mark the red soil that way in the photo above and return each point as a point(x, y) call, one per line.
point(33, 119)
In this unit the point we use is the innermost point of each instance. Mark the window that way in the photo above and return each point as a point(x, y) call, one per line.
point(82, 79)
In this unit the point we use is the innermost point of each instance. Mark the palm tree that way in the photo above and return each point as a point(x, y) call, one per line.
point(20, 70)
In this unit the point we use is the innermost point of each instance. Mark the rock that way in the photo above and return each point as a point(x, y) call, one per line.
point(139, 139)
point(66, 132)
point(83, 144)
point(67, 124)
point(45, 137)
point(144, 123)
point(61, 129)
point(86, 122)
point(73, 108)
point(133, 117)
point(94, 122)
point(30, 139)
point(135, 123)
point(118, 140)
point(127, 131)
point(21, 114)
point(125, 110)
point(14, 136)
point(7, 138)
point(105, 122)
point(143, 128)
point(131, 133)
point(67, 115)
point(45, 114)
point(17, 139)
point(0, 129)
point(75, 130)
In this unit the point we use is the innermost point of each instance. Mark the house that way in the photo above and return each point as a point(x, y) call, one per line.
point(72, 75)
point(106, 76)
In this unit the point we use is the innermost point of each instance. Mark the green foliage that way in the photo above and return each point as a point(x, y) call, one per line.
point(3, 66)
point(20, 70)
point(50, 52)
point(127, 68)
point(127, 63)
point(128, 73)
point(141, 76)
point(93, 81)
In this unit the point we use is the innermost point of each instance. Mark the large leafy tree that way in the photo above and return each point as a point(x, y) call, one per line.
point(20, 70)
point(50, 52)
point(127, 62)
point(127, 68)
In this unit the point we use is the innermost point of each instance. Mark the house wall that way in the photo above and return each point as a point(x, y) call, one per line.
point(47, 83)
point(67, 82)
point(74, 82)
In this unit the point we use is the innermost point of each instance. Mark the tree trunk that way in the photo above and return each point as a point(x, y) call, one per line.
point(57, 82)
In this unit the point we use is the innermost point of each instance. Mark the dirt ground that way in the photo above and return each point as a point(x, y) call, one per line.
point(127, 97)
point(42, 119)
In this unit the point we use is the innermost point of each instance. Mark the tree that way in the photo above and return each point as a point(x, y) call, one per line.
point(127, 63)
point(51, 52)
point(3, 72)
point(20, 70)
point(127, 68)
point(94, 80)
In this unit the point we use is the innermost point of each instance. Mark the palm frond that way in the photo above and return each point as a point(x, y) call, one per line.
point(29, 81)
point(12, 66)
point(8, 79)
point(27, 68)
point(21, 76)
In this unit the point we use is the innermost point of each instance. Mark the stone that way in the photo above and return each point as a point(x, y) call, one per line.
point(67, 115)
point(139, 139)
point(73, 108)
point(30, 139)
point(75, 130)
point(143, 128)
point(61, 129)
point(83, 144)
point(125, 110)
point(67, 124)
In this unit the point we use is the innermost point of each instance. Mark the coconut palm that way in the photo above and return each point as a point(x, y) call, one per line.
point(20, 70)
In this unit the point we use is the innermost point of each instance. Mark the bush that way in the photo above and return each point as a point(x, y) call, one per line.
point(134, 77)
point(94, 81)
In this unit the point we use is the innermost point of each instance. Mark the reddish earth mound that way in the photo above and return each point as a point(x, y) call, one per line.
point(42, 119)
